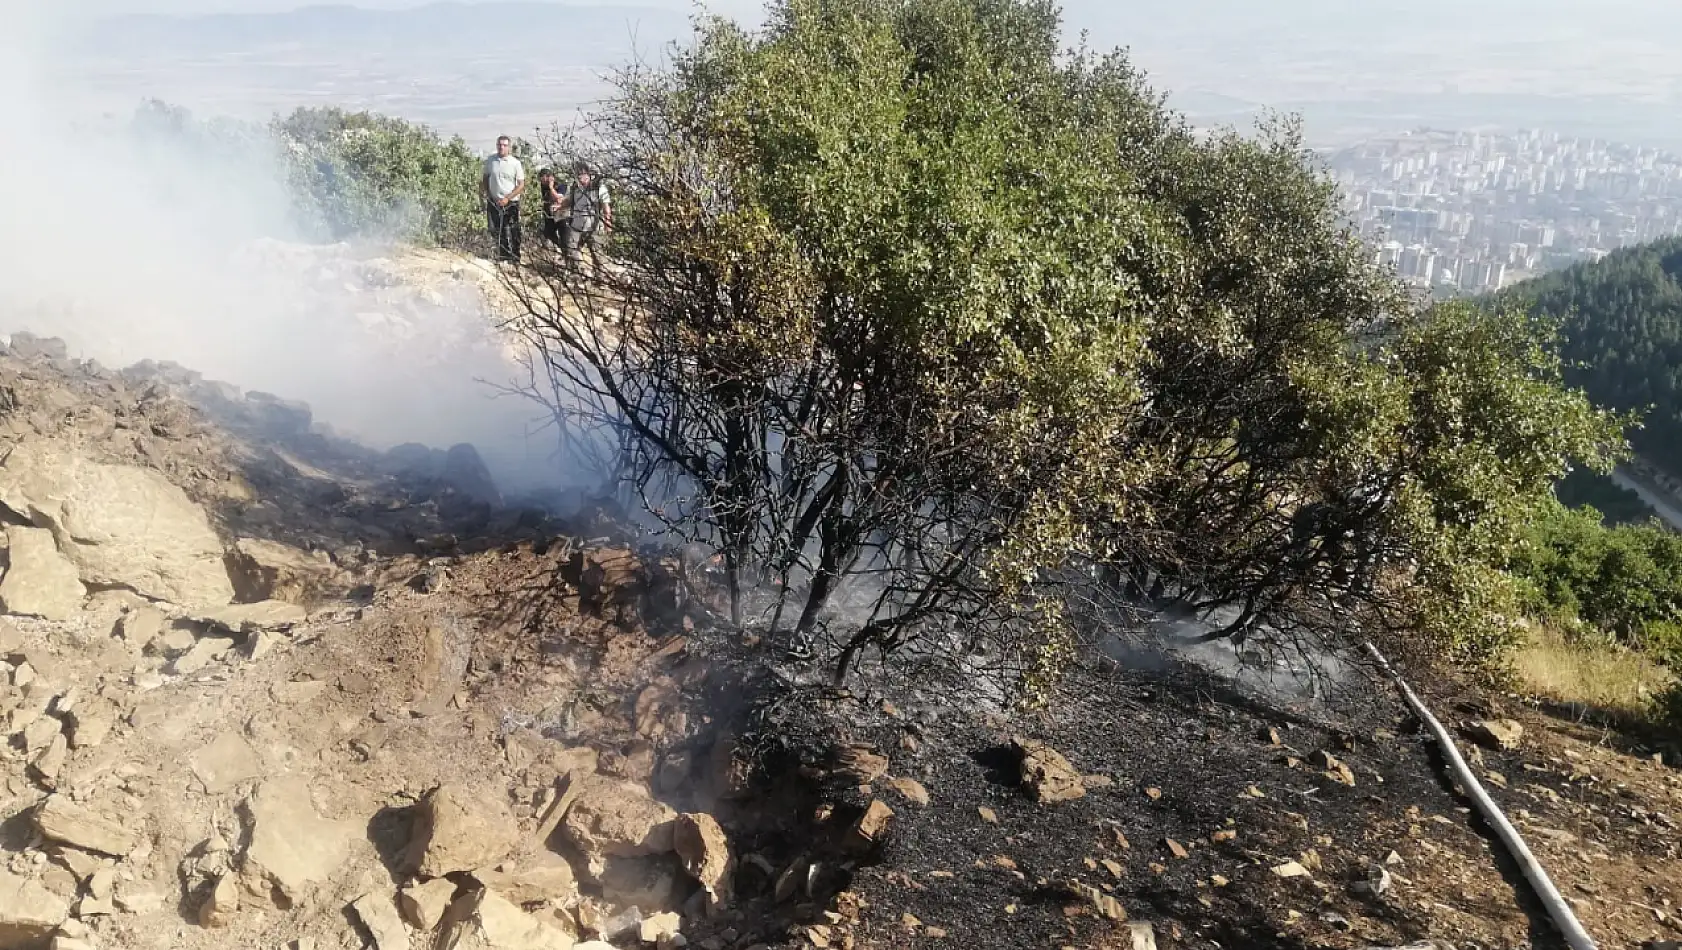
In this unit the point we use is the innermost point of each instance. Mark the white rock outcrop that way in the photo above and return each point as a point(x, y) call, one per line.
point(39, 580)
point(120, 525)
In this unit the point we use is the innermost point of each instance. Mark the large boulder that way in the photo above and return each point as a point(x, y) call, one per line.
point(465, 472)
point(39, 580)
point(614, 818)
point(458, 831)
point(120, 525)
point(293, 848)
point(268, 570)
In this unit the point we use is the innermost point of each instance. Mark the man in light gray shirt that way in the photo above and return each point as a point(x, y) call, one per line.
point(501, 185)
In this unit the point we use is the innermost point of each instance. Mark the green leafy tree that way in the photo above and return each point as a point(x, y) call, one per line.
point(921, 325)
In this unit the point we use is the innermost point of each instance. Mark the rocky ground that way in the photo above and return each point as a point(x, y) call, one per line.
point(266, 688)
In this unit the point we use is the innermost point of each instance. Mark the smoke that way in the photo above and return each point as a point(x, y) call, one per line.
point(164, 248)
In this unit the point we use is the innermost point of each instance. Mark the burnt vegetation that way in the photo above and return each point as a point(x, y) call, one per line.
point(949, 345)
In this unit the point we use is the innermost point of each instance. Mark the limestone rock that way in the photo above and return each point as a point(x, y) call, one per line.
point(567, 789)
point(728, 774)
point(705, 851)
point(292, 847)
point(660, 927)
point(50, 762)
point(203, 653)
point(39, 581)
point(91, 906)
point(1335, 769)
point(173, 641)
point(29, 913)
point(545, 876)
point(871, 827)
point(120, 525)
point(90, 724)
point(456, 830)
point(60, 820)
point(911, 789)
point(860, 764)
point(1046, 774)
point(139, 898)
point(1290, 869)
point(40, 733)
point(80, 863)
point(617, 818)
point(141, 625)
point(379, 915)
point(268, 570)
point(423, 903)
point(226, 762)
point(250, 618)
point(495, 923)
point(219, 908)
point(1502, 734)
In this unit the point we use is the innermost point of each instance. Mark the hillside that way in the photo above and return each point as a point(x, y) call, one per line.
point(1623, 337)
point(432, 719)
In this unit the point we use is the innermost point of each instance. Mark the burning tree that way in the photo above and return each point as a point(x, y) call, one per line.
point(914, 320)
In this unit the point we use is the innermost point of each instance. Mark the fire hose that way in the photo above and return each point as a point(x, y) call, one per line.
point(1563, 917)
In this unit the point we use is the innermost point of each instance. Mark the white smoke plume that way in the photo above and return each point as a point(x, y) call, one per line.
point(134, 252)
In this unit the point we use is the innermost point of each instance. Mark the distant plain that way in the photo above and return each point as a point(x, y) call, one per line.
point(1351, 71)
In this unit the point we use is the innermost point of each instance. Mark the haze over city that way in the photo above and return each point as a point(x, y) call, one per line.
point(1351, 70)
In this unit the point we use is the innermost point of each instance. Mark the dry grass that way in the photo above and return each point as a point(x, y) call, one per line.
point(1605, 677)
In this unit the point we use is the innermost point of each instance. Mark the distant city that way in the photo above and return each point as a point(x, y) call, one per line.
point(1468, 212)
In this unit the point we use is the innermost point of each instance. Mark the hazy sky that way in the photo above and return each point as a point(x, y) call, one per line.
point(734, 8)
point(1357, 12)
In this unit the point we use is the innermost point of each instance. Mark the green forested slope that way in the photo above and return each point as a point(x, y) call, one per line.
point(1623, 337)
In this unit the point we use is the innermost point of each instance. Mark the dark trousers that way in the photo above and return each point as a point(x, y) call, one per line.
point(504, 225)
point(554, 231)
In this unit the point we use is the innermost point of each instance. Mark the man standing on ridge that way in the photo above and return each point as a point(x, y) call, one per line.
point(592, 216)
point(501, 185)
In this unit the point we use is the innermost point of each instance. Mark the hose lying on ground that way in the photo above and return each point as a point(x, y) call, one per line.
point(1558, 909)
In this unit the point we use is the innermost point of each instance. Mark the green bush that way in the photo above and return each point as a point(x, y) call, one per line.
point(361, 174)
point(1622, 582)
